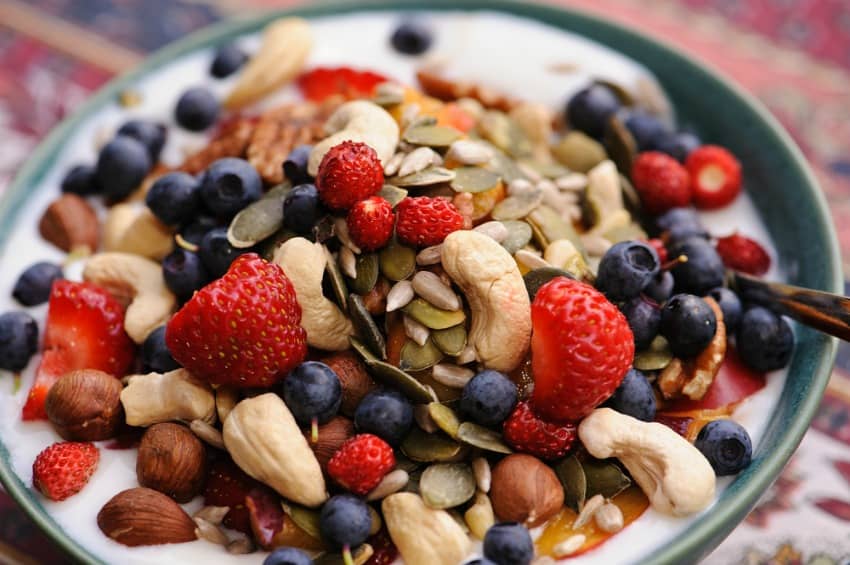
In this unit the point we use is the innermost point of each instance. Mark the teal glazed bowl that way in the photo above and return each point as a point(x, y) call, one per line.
point(786, 196)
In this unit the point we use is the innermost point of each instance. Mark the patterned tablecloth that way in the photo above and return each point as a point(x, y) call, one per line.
point(792, 54)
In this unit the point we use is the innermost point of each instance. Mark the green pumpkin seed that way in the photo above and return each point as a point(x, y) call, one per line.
point(549, 170)
point(337, 281)
point(503, 132)
point(304, 518)
point(259, 220)
point(445, 418)
point(655, 357)
point(397, 261)
point(621, 143)
point(447, 485)
point(450, 341)
point(482, 438)
point(578, 152)
point(431, 135)
point(426, 177)
point(415, 357)
point(503, 165)
point(631, 198)
point(552, 227)
point(604, 477)
point(406, 464)
point(474, 179)
point(536, 278)
point(432, 317)
point(518, 206)
point(367, 273)
point(392, 376)
point(359, 556)
point(519, 234)
point(571, 474)
point(366, 327)
point(426, 448)
point(392, 194)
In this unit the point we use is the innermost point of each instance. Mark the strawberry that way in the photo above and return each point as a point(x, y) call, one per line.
point(743, 254)
point(423, 221)
point(84, 330)
point(64, 468)
point(662, 182)
point(581, 348)
point(349, 172)
point(385, 552)
point(658, 245)
point(323, 82)
point(370, 223)
point(525, 431)
point(243, 329)
point(715, 176)
point(228, 485)
point(361, 462)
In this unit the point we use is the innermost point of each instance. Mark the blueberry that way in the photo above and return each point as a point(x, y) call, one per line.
point(634, 397)
point(730, 305)
point(626, 268)
point(488, 398)
point(412, 37)
point(227, 60)
point(660, 288)
point(385, 413)
point(184, 273)
point(589, 109)
point(121, 166)
point(508, 543)
point(197, 109)
point(18, 340)
point(678, 144)
point(149, 134)
point(644, 317)
point(645, 128)
point(480, 561)
point(195, 231)
point(229, 185)
point(155, 354)
point(702, 271)
point(344, 521)
point(81, 179)
point(295, 166)
point(312, 390)
point(301, 208)
point(287, 556)
point(680, 224)
point(764, 340)
point(216, 252)
point(174, 198)
point(34, 284)
point(688, 323)
point(726, 445)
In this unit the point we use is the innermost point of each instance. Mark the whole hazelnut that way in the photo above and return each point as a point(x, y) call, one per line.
point(356, 382)
point(331, 436)
point(85, 405)
point(523, 489)
point(171, 460)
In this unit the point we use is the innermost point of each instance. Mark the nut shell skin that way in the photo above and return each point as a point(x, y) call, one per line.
point(525, 490)
point(331, 436)
point(171, 460)
point(85, 405)
point(141, 516)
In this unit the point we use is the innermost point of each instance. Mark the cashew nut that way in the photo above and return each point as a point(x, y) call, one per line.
point(176, 395)
point(424, 536)
point(138, 281)
point(493, 285)
point(361, 121)
point(131, 228)
point(304, 263)
point(675, 476)
point(263, 438)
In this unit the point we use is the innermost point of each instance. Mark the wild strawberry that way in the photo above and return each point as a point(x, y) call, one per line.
point(423, 221)
point(361, 463)
point(323, 82)
point(658, 245)
point(84, 330)
point(385, 552)
point(662, 182)
point(528, 433)
point(370, 223)
point(63, 469)
point(715, 176)
point(581, 348)
point(743, 254)
point(243, 329)
point(228, 485)
point(349, 172)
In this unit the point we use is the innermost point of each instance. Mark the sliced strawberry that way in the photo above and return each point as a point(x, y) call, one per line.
point(323, 82)
point(228, 485)
point(743, 254)
point(266, 516)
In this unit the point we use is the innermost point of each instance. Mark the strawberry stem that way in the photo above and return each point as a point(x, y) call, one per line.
point(346, 555)
point(314, 430)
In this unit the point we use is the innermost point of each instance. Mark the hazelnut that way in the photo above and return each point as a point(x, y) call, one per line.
point(523, 489)
point(171, 460)
point(331, 436)
point(85, 405)
point(141, 516)
point(356, 382)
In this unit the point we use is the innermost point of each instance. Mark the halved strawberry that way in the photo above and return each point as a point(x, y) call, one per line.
point(323, 82)
point(228, 485)
point(84, 330)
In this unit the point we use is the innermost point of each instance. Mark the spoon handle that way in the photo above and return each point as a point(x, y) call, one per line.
point(829, 313)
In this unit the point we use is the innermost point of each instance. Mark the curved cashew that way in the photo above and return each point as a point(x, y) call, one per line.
point(357, 121)
point(493, 285)
point(675, 476)
point(176, 395)
point(424, 536)
point(262, 437)
point(131, 228)
point(304, 263)
point(138, 281)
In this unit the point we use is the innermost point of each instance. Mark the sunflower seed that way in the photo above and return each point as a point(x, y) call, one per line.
point(391, 168)
point(529, 172)
point(469, 152)
point(569, 546)
point(481, 470)
point(418, 160)
point(609, 518)
point(519, 186)
point(400, 295)
point(471, 106)
point(410, 113)
point(543, 560)
point(572, 182)
point(590, 506)
point(240, 546)
point(415, 331)
point(392, 482)
point(595, 245)
point(494, 229)
point(341, 231)
point(531, 259)
point(212, 514)
point(422, 415)
point(430, 287)
point(468, 355)
point(207, 433)
point(209, 531)
point(479, 516)
point(452, 376)
point(348, 262)
point(430, 255)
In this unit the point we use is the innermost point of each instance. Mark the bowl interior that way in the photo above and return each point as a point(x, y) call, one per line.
point(776, 175)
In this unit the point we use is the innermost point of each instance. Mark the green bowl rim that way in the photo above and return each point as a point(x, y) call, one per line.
point(687, 545)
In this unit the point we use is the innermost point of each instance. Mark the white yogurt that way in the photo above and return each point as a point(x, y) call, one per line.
point(504, 52)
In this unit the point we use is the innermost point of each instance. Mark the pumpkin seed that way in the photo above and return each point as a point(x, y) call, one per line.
point(503, 132)
point(432, 317)
point(431, 135)
point(304, 518)
point(424, 447)
point(415, 357)
point(447, 485)
point(362, 350)
point(550, 170)
point(631, 198)
point(536, 278)
point(397, 261)
point(450, 341)
point(366, 327)
point(552, 227)
point(405, 464)
point(445, 418)
point(621, 143)
point(481, 437)
point(366, 268)
point(579, 152)
point(392, 376)
point(426, 177)
point(359, 556)
point(655, 357)
point(392, 194)
point(518, 206)
point(603, 196)
point(571, 474)
point(337, 281)
point(259, 220)
point(604, 477)
point(519, 234)
point(504, 166)
point(474, 179)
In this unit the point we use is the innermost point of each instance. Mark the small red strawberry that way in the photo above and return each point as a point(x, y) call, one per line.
point(743, 254)
point(349, 172)
point(526, 432)
point(64, 468)
point(715, 176)
point(361, 463)
point(385, 551)
point(243, 329)
point(228, 485)
point(370, 223)
point(581, 348)
point(323, 82)
point(84, 330)
point(423, 221)
point(662, 182)
point(658, 245)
